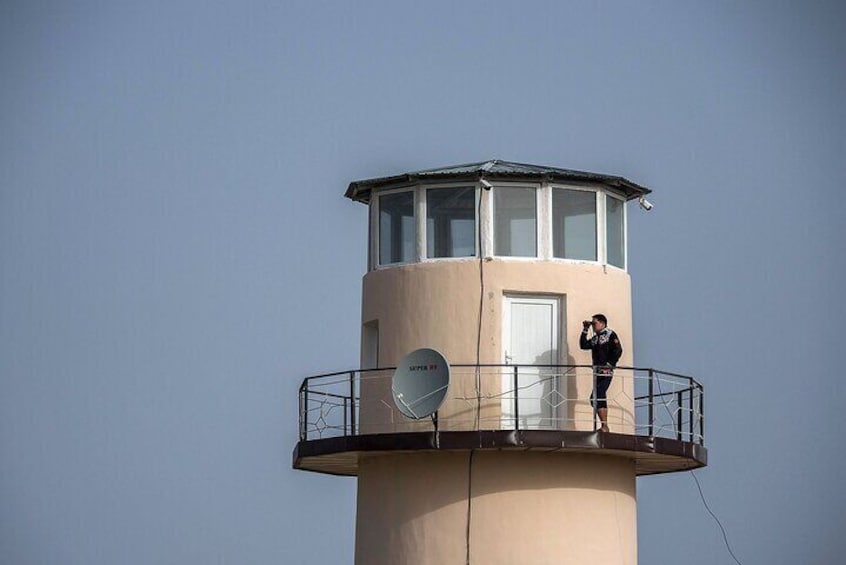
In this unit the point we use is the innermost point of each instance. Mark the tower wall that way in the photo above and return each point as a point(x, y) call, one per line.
point(527, 507)
point(539, 508)
point(436, 304)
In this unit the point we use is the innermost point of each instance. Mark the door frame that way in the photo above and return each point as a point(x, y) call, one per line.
point(559, 339)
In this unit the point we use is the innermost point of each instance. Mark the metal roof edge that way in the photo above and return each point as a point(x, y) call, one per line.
point(360, 190)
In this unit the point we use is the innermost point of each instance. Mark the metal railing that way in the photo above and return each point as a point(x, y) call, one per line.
point(641, 401)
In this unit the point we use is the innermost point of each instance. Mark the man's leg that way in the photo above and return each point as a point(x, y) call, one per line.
point(602, 405)
point(603, 417)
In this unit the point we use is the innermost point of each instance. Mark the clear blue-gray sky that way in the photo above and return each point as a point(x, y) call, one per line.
point(176, 253)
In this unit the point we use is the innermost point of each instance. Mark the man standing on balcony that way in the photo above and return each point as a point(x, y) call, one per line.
point(606, 351)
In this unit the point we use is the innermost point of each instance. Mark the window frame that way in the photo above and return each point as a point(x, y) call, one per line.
point(539, 242)
point(598, 192)
point(616, 196)
point(485, 222)
point(424, 217)
point(376, 228)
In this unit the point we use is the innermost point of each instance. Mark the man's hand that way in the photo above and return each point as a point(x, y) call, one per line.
point(585, 325)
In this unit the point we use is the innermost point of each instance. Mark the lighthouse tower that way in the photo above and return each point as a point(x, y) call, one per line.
point(495, 265)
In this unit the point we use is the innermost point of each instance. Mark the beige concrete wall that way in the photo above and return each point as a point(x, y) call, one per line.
point(526, 507)
point(436, 304)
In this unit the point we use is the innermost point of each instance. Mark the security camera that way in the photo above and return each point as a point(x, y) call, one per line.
point(485, 184)
point(645, 204)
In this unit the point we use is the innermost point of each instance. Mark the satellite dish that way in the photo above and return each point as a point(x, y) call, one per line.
point(420, 383)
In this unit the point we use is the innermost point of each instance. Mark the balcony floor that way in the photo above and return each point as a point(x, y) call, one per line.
point(652, 455)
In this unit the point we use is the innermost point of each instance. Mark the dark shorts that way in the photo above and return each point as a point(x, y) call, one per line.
point(602, 384)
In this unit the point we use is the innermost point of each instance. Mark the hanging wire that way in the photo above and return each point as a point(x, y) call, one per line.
point(714, 516)
point(699, 487)
point(478, 371)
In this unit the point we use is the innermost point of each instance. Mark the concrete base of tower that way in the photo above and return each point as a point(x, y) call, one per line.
point(503, 507)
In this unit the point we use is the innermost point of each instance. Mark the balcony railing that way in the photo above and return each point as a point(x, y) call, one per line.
point(642, 402)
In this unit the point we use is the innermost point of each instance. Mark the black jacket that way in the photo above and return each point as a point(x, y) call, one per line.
point(605, 347)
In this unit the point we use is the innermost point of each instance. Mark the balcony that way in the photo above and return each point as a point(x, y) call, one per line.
point(656, 417)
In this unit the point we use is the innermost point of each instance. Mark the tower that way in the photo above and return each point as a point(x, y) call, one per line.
point(495, 264)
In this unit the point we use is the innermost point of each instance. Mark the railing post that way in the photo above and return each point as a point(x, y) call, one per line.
point(304, 413)
point(651, 406)
point(516, 403)
point(679, 415)
point(352, 404)
point(345, 416)
point(690, 424)
point(701, 416)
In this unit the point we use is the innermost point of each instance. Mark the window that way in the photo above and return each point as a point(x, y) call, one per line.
point(370, 345)
point(515, 222)
point(614, 231)
point(451, 222)
point(397, 235)
point(574, 224)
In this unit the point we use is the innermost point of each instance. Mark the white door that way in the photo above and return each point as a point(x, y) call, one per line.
point(530, 338)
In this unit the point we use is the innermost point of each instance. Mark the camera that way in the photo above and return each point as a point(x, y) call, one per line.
point(587, 323)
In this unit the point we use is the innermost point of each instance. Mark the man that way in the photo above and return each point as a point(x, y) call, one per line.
point(606, 351)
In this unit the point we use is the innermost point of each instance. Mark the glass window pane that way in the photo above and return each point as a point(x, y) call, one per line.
point(515, 228)
point(614, 231)
point(574, 224)
point(397, 232)
point(451, 222)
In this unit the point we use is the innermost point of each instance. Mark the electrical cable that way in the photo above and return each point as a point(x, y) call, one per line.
point(699, 486)
point(478, 383)
point(714, 516)
point(481, 311)
point(478, 371)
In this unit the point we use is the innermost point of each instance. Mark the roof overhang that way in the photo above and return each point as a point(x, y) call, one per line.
point(494, 170)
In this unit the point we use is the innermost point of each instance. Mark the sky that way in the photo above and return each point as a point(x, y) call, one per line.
point(176, 253)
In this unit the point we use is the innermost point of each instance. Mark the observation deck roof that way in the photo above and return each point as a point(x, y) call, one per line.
point(494, 169)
